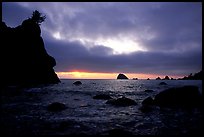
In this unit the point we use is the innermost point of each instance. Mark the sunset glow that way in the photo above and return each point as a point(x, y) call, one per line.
point(93, 75)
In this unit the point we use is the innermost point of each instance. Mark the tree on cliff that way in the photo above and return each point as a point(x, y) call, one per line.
point(37, 17)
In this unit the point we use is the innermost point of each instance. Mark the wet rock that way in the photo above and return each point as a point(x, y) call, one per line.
point(187, 96)
point(162, 83)
point(148, 101)
point(77, 83)
point(121, 102)
point(149, 90)
point(148, 79)
point(145, 108)
point(56, 106)
point(102, 96)
point(122, 76)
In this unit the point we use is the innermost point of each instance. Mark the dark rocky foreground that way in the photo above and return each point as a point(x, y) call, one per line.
point(24, 57)
point(36, 111)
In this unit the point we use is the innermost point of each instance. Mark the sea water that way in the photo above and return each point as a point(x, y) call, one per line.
point(28, 114)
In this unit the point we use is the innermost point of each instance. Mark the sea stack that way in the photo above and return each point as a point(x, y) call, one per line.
point(25, 60)
point(122, 76)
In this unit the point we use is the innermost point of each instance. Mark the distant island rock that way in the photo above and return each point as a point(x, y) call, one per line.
point(158, 78)
point(122, 76)
point(166, 78)
point(24, 59)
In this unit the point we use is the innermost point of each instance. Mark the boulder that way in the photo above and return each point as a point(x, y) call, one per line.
point(148, 101)
point(148, 79)
point(149, 90)
point(121, 102)
point(56, 106)
point(187, 96)
point(102, 96)
point(145, 108)
point(77, 83)
point(162, 83)
point(122, 76)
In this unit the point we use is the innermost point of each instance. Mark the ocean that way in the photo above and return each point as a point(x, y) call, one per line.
point(25, 112)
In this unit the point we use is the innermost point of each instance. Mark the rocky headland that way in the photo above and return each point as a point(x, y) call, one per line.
point(25, 60)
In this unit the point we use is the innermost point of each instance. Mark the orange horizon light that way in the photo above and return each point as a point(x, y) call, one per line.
point(77, 74)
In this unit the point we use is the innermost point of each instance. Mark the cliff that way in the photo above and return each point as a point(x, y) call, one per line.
point(24, 57)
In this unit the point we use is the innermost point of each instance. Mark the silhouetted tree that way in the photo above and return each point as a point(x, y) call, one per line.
point(37, 17)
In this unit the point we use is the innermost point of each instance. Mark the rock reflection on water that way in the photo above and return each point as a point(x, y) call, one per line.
point(27, 114)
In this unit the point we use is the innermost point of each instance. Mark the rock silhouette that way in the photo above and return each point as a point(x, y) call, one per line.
point(122, 76)
point(25, 59)
point(166, 78)
point(102, 96)
point(145, 108)
point(121, 102)
point(149, 90)
point(182, 97)
point(162, 83)
point(56, 106)
point(187, 96)
point(77, 83)
point(196, 76)
point(158, 78)
point(147, 101)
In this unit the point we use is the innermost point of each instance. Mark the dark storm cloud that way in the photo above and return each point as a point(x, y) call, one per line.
point(74, 56)
point(176, 26)
point(171, 32)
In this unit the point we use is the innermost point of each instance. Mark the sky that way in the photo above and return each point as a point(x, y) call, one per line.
point(98, 40)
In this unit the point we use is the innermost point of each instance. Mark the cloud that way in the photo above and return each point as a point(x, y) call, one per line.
point(171, 33)
point(13, 14)
point(74, 56)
